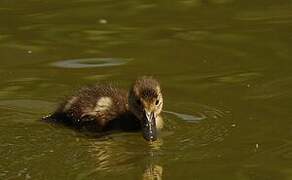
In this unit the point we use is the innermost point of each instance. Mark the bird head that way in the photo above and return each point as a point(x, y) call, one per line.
point(145, 102)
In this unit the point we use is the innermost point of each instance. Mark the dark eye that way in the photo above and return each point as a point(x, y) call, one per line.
point(157, 102)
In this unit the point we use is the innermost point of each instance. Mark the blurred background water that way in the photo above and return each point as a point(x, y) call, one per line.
point(225, 69)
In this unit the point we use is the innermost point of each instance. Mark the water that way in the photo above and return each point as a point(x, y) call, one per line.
point(225, 69)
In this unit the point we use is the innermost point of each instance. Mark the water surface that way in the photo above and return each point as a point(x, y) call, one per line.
point(225, 69)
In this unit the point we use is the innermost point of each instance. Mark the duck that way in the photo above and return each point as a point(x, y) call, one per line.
point(104, 107)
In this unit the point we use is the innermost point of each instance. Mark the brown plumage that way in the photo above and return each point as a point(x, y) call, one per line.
point(104, 107)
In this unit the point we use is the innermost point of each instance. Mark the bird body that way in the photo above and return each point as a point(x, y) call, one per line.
point(105, 107)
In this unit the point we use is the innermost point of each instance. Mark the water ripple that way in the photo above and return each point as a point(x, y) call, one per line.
point(196, 126)
point(277, 88)
point(91, 63)
point(187, 117)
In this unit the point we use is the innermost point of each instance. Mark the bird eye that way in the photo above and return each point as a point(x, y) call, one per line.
point(157, 102)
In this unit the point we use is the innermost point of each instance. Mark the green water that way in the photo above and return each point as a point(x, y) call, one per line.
point(224, 65)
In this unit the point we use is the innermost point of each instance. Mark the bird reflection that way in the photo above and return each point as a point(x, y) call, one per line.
point(110, 154)
point(153, 171)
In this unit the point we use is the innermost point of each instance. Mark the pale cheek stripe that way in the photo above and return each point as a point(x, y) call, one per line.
point(103, 104)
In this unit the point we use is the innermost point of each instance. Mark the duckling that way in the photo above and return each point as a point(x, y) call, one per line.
point(104, 107)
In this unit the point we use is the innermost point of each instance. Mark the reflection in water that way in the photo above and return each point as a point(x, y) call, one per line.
point(153, 170)
point(115, 154)
point(91, 62)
